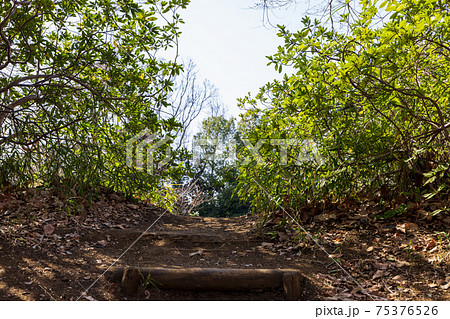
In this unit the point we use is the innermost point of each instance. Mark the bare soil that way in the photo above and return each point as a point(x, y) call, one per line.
point(49, 254)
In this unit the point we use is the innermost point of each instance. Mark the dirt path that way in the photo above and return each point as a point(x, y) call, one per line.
point(46, 254)
point(62, 270)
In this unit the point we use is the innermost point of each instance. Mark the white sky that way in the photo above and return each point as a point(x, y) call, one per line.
point(229, 44)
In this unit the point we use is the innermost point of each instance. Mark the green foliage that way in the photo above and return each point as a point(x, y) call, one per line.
point(215, 170)
point(374, 103)
point(77, 79)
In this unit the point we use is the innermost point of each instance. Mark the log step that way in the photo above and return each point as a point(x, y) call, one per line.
point(211, 279)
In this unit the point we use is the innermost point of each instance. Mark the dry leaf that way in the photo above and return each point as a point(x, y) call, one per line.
point(399, 278)
point(411, 226)
point(440, 282)
point(401, 228)
point(338, 239)
point(132, 206)
point(431, 245)
point(379, 274)
point(283, 236)
point(48, 229)
point(446, 286)
point(374, 288)
point(407, 227)
point(370, 249)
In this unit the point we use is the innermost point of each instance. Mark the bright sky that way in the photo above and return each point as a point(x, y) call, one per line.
point(229, 44)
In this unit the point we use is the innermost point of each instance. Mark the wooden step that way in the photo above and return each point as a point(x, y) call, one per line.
point(211, 279)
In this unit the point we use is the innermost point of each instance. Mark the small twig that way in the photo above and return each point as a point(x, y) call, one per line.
point(51, 297)
point(387, 287)
point(179, 252)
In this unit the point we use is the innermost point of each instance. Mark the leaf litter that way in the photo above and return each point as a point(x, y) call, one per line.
point(402, 258)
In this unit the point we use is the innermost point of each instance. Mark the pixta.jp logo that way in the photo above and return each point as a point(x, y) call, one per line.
point(147, 143)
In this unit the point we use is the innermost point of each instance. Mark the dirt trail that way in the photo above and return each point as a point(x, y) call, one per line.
point(195, 242)
point(63, 270)
point(46, 254)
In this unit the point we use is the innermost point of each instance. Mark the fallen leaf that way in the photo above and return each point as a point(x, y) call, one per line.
point(431, 245)
point(379, 274)
point(401, 228)
point(401, 264)
point(407, 227)
point(399, 278)
point(446, 286)
point(373, 289)
point(338, 239)
point(48, 229)
point(411, 226)
point(370, 249)
point(283, 236)
point(264, 244)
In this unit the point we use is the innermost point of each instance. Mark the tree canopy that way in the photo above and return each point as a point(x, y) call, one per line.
point(77, 79)
point(373, 99)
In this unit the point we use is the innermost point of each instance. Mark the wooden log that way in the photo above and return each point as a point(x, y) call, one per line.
point(292, 285)
point(131, 280)
point(211, 279)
